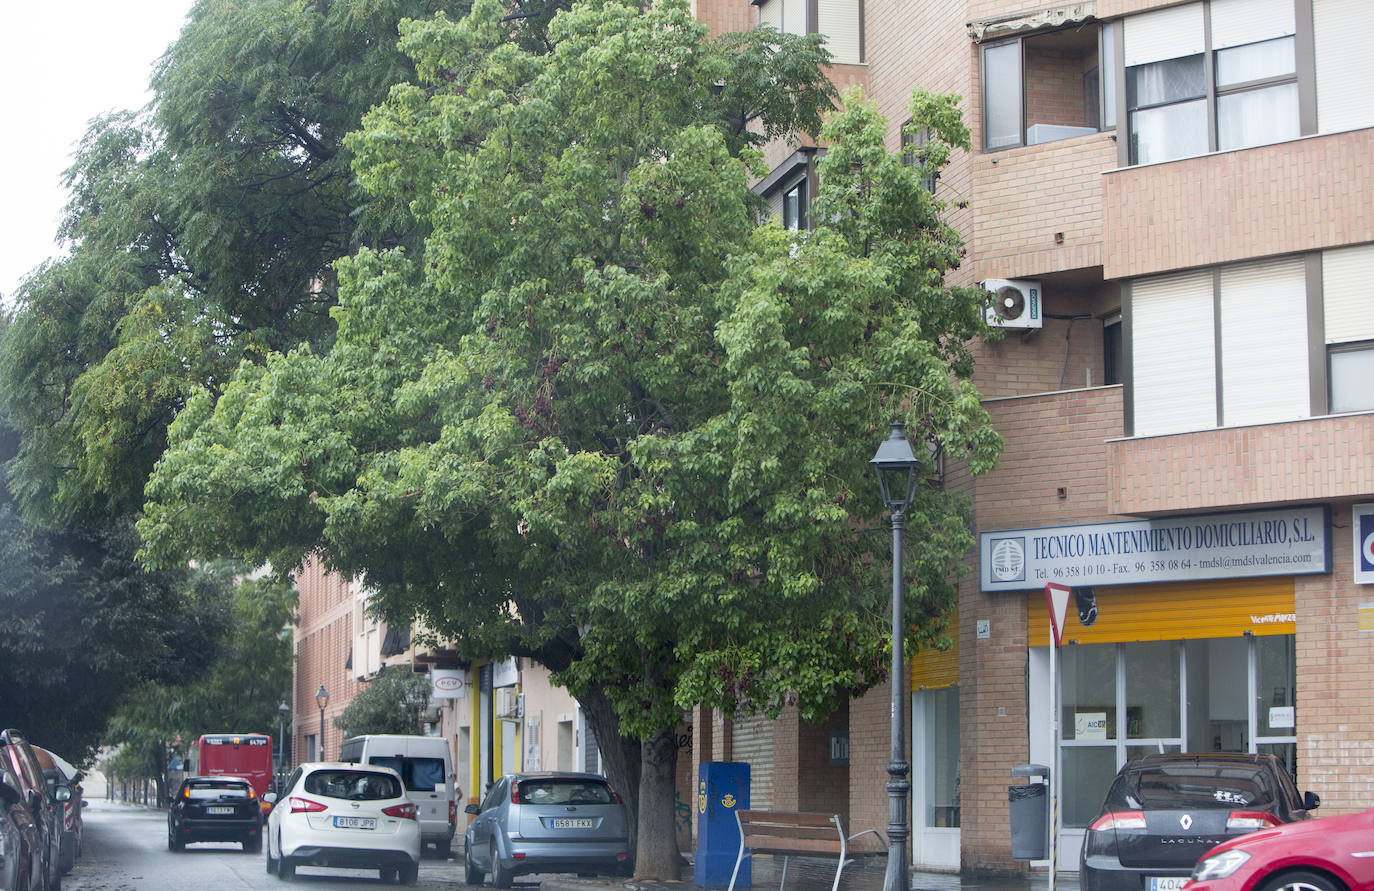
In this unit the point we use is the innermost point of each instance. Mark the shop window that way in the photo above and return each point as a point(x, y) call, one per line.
point(1186, 97)
point(939, 783)
point(1350, 368)
point(1049, 86)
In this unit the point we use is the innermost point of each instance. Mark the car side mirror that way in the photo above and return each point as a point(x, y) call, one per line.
point(270, 798)
point(62, 793)
point(472, 809)
point(85, 803)
point(1311, 800)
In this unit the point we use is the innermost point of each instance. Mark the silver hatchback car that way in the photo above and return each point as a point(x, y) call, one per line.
point(547, 822)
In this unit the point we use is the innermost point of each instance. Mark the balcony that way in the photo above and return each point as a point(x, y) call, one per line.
point(1314, 460)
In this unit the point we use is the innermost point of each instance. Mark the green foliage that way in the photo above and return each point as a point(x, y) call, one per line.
point(394, 702)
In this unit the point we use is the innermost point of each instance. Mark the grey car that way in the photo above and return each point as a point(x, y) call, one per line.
point(547, 822)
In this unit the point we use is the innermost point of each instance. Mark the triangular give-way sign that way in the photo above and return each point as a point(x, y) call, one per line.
point(1057, 598)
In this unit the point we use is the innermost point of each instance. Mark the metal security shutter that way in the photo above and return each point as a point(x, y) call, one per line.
point(1348, 293)
point(839, 22)
point(1164, 34)
point(1264, 362)
point(1173, 346)
point(1177, 611)
point(1238, 22)
point(751, 741)
point(936, 669)
point(1344, 31)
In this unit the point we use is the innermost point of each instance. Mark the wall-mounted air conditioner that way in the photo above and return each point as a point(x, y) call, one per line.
point(1017, 303)
point(506, 703)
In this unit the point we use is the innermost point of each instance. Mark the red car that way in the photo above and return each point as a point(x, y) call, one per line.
point(1327, 854)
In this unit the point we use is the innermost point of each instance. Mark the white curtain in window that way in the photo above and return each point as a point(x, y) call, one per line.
point(1002, 87)
point(1264, 357)
point(1257, 117)
point(1344, 32)
point(1238, 22)
point(1169, 132)
point(1164, 34)
point(1173, 354)
point(1347, 285)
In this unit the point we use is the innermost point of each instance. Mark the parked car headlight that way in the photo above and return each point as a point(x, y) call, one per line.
point(1219, 866)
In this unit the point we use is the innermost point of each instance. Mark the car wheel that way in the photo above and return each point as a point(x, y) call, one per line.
point(286, 869)
point(1301, 881)
point(472, 875)
point(175, 842)
point(410, 874)
point(253, 843)
point(500, 876)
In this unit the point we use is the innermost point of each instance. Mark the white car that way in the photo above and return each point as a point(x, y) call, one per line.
point(346, 816)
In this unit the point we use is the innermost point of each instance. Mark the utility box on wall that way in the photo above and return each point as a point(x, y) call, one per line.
point(722, 789)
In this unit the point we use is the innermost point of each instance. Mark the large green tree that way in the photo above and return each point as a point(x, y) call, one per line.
point(394, 702)
point(603, 418)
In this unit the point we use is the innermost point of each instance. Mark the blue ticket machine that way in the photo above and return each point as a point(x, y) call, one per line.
point(722, 789)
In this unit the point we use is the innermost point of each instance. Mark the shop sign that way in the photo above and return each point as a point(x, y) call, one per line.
point(448, 683)
point(1362, 521)
point(1168, 549)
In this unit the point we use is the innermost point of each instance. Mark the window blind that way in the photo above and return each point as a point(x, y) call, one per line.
point(839, 22)
point(1173, 347)
point(1238, 22)
point(1343, 31)
point(1264, 361)
point(1164, 34)
point(1348, 293)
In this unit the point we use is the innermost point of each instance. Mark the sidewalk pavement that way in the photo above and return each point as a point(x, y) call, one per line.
point(815, 874)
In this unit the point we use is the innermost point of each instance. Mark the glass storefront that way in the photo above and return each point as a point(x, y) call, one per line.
point(1123, 700)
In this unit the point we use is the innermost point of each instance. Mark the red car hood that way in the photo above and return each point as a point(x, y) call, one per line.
point(1294, 834)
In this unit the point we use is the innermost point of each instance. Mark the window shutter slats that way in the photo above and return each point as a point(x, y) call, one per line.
point(1238, 22)
point(1174, 368)
point(1264, 343)
point(1164, 34)
point(1344, 30)
point(1347, 289)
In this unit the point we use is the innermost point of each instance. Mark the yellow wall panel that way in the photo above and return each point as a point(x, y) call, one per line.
point(932, 668)
point(1175, 611)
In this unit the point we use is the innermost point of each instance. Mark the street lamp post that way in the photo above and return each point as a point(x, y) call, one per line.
point(896, 467)
point(283, 711)
point(321, 699)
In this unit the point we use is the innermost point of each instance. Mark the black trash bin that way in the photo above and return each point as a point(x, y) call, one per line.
point(1030, 814)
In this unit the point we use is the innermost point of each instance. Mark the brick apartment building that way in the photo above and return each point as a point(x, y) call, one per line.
point(1181, 195)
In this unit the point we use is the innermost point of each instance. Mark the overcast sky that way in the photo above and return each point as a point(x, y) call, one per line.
point(65, 62)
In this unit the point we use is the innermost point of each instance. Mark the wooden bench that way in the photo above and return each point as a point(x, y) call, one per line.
point(794, 834)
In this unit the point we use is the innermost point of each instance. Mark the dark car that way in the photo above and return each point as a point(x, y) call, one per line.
point(547, 822)
point(1329, 854)
point(60, 772)
point(215, 809)
point(1163, 812)
point(21, 867)
point(44, 805)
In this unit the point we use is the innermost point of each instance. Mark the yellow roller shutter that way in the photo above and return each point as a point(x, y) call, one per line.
point(1175, 611)
point(932, 668)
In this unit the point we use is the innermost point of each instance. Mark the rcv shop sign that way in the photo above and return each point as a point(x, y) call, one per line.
point(1172, 549)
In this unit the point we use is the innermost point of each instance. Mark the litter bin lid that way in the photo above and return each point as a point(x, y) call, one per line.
point(1030, 770)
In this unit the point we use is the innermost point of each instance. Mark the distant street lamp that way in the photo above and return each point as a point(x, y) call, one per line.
point(321, 699)
point(283, 712)
point(896, 467)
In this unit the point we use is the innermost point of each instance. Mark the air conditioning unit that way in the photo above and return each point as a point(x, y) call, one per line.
point(1017, 303)
point(506, 703)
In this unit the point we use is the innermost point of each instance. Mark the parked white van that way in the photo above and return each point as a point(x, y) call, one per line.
point(426, 767)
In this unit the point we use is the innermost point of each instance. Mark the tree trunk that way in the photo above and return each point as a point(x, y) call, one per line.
point(657, 857)
point(620, 756)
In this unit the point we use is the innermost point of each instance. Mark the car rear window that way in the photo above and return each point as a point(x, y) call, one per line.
point(353, 785)
point(419, 774)
point(564, 791)
point(216, 790)
point(1192, 786)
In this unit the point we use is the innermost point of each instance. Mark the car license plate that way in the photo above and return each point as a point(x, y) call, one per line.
point(572, 823)
point(355, 822)
point(219, 810)
point(1167, 883)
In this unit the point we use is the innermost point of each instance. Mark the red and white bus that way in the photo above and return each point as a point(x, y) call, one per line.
point(247, 755)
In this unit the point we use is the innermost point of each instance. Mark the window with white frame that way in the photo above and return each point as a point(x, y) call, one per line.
point(1049, 86)
point(841, 21)
point(1215, 75)
point(1349, 327)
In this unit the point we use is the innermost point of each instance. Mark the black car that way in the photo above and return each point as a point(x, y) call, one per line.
point(21, 867)
point(215, 809)
point(44, 805)
point(1163, 812)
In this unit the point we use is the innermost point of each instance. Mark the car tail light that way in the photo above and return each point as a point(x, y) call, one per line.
point(1118, 820)
point(452, 813)
point(514, 793)
point(252, 793)
point(615, 796)
point(405, 811)
point(305, 806)
point(1249, 821)
point(519, 855)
